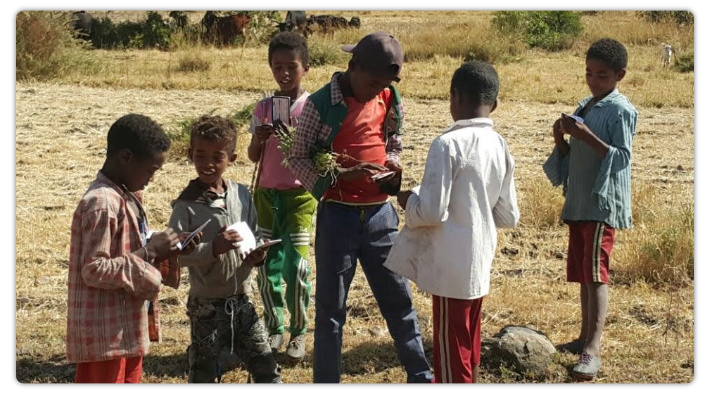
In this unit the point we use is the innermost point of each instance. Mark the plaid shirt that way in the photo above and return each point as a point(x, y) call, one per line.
point(107, 315)
point(312, 131)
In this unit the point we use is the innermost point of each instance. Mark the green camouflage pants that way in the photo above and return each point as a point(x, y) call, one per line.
point(233, 324)
point(288, 215)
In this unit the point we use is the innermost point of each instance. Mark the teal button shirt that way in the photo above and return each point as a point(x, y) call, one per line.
point(595, 188)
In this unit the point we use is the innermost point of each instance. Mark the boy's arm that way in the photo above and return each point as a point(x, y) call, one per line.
point(393, 148)
point(304, 138)
point(180, 220)
point(505, 212)
point(256, 145)
point(556, 167)
point(102, 270)
point(618, 156)
point(621, 129)
point(431, 206)
point(251, 216)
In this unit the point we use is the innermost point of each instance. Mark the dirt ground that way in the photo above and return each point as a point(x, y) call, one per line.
point(60, 145)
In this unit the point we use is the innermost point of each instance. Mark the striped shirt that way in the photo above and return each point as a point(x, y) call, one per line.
point(108, 285)
point(595, 188)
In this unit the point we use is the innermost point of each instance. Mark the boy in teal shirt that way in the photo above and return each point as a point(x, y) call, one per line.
point(594, 168)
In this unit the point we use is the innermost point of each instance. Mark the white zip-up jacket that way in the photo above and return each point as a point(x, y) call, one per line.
point(449, 239)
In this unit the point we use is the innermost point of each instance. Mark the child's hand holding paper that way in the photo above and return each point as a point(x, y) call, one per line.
point(247, 249)
point(247, 242)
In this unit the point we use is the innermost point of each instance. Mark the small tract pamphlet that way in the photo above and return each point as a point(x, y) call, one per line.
point(248, 242)
point(192, 235)
point(281, 109)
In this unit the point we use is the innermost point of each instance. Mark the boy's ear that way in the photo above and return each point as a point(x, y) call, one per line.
point(125, 156)
point(189, 153)
point(305, 69)
point(232, 157)
point(495, 105)
point(620, 75)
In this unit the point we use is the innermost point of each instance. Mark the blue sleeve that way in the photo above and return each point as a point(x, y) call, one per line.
point(556, 168)
point(621, 132)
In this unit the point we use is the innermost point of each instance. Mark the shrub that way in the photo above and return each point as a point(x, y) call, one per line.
point(242, 117)
point(156, 31)
point(190, 63)
point(550, 30)
point(151, 33)
point(679, 17)
point(107, 35)
point(322, 54)
point(180, 134)
point(661, 251)
point(262, 26)
point(685, 62)
point(180, 138)
point(46, 46)
point(540, 203)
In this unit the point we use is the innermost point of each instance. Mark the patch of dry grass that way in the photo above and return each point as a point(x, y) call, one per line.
point(650, 328)
point(557, 77)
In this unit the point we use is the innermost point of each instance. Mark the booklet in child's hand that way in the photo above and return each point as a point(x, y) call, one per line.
point(281, 109)
point(192, 235)
point(575, 117)
point(248, 242)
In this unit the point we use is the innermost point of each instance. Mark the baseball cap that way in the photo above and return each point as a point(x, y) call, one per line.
point(378, 53)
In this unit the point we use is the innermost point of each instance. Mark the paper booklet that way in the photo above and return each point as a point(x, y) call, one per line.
point(192, 235)
point(248, 242)
point(281, 109)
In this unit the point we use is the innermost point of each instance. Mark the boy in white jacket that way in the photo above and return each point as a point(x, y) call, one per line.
point(449, 240)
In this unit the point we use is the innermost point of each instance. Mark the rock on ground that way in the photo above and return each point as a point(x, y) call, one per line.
point(522, 349)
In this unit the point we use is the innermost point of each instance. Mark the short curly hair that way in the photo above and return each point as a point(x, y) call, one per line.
point(291, 41)
point(216, 129)
point(477, 81)
point(138, 133)
point(610, 52)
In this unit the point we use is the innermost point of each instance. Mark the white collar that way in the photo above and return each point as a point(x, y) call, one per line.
point(474, 122)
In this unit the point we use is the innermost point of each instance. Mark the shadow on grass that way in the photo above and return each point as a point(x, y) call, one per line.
point(373, 356)
point(173, 365)
point(54, 370)
point(57, 370)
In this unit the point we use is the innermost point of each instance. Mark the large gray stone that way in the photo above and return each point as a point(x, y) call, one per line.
point(522, 349)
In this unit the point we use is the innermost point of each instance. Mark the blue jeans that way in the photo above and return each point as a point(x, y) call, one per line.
point(345, 234)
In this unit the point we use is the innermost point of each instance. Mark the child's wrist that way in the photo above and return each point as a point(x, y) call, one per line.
point(150, 254)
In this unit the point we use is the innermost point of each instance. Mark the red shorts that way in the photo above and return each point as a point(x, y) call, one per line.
point(590, 245)
point(457, 338)
point(120, 370)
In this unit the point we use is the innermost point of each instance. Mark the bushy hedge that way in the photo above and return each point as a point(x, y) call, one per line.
point(550, 30)
point(685, 62)
point(679, 17)
point(154, 32)
point(46, 47)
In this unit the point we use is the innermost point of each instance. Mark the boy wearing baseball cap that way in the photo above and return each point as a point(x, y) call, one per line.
point(358, 116)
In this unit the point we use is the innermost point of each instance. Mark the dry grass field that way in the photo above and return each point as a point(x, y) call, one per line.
point(649, 338)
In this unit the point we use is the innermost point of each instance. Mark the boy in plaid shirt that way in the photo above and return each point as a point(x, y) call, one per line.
point(111, 273)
